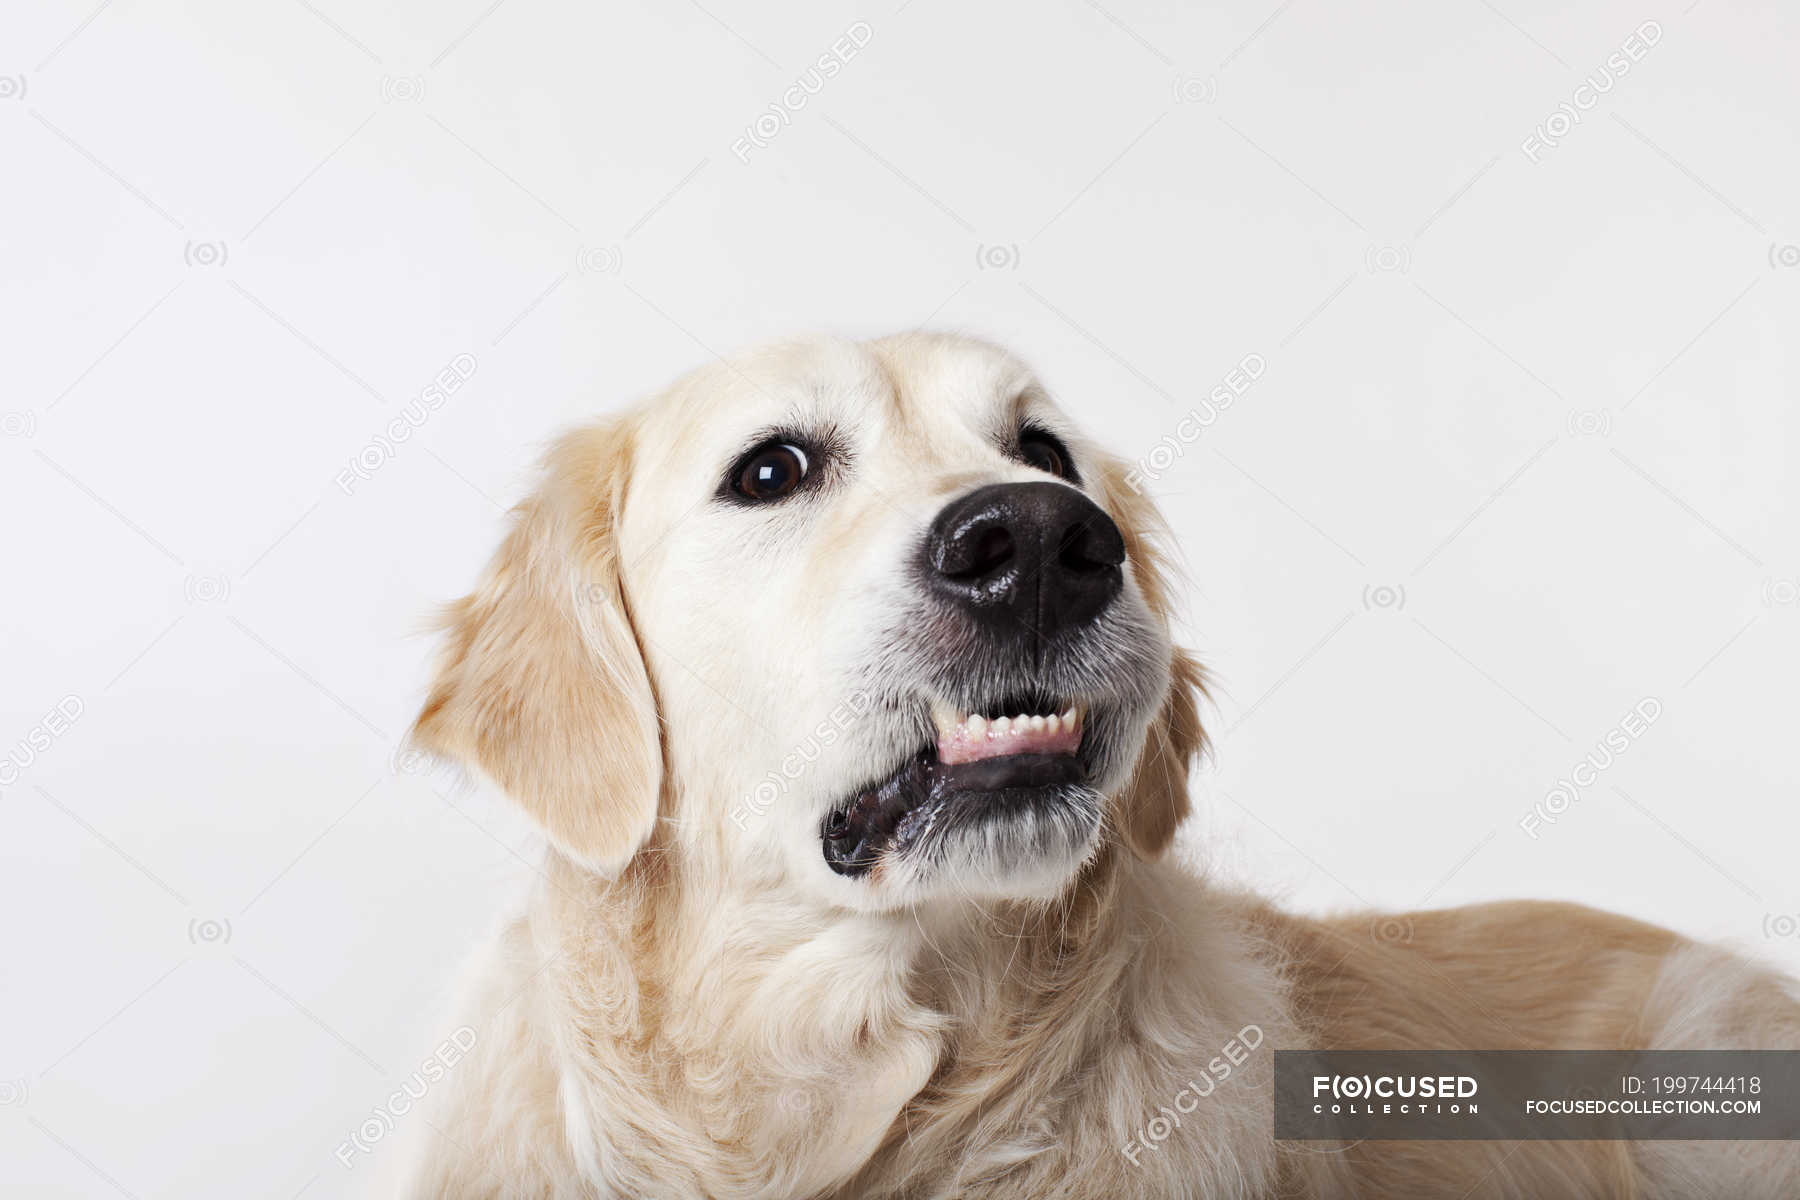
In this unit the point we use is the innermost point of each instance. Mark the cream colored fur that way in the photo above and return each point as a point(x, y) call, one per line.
point(693, 1006)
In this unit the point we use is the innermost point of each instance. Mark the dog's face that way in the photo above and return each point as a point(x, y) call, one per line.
point(875, 621)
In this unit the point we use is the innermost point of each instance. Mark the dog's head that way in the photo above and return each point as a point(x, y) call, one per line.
point(875, 620)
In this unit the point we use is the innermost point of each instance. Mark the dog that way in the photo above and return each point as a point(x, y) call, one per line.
point(839, 678)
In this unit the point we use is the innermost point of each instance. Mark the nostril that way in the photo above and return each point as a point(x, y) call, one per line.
point(1085, 549)
point(992, 548)
point(978, 552)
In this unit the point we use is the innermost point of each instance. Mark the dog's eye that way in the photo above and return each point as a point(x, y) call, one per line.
point(770, 471)
point(1043, 451)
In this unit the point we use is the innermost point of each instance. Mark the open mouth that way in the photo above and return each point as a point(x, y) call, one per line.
point(1018, 755)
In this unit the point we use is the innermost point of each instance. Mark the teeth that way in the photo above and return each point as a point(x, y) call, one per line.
point(973, 737)
point(976, 727)
point(946, 719)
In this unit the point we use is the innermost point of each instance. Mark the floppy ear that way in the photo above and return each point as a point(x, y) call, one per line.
point(1154, 801)
point(541, 683)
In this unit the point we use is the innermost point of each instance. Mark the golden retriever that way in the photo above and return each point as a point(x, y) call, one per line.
point(839, 678)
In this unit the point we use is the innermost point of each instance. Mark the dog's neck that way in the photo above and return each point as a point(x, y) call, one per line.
point(859, 1051)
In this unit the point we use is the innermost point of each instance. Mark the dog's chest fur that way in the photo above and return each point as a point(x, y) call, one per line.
point(1072, 1031)
point(1015, 1054)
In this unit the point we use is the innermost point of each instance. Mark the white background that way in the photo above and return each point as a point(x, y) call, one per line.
point(1522, 457)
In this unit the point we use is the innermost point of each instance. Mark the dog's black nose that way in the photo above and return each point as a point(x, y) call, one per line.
point(1026, 558)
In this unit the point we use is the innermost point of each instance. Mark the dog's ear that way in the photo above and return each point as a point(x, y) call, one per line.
point(541, 683)
point(1154, 801)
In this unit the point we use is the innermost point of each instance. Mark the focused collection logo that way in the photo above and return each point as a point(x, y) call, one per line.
point(1399, 1095)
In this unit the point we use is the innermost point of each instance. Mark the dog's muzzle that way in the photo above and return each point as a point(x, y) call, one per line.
point(1032, 677)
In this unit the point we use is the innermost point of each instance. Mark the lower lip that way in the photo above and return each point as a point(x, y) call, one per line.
point(1011, 771)
point(967, 791)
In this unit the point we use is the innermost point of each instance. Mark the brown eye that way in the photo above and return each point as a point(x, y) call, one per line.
point(1041, 450)
point(771, 472)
